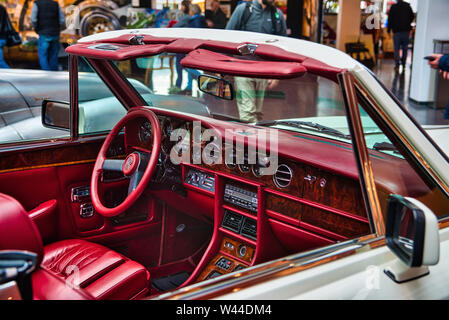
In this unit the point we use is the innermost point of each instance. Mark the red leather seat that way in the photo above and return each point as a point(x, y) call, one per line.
point(71, 269)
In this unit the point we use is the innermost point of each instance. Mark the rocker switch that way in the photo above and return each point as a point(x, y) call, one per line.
point(80, 194)
point(87, 210)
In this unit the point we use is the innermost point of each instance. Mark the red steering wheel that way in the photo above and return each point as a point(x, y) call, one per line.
point(138, 166)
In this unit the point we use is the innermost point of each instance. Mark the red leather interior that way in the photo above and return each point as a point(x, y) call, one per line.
point(295, 239)
point(48, 286)
point(17, 231)
point(33, 189)
point(220, 63)
point(103, 273)
point(128, 281)
point(125, 52)
point(155, 45)
point(70, 269)
point(45, 218)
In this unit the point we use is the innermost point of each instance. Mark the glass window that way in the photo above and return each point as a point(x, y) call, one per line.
point(308, 104)
point(395, 172)
point(99, 109)
point(20, 106)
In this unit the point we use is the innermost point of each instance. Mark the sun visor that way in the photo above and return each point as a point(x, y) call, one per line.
point(114, 51)
point(220, 63)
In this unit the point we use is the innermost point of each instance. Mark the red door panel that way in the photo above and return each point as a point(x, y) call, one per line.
point(50, 171)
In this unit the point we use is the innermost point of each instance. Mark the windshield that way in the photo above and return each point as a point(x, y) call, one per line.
point(306, 104)
point(254, 100)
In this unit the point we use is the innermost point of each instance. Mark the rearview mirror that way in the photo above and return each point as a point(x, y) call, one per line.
point(56, 114)
point(218, 87)
point(412, 234)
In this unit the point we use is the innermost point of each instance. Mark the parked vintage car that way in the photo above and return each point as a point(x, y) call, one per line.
point(22, 93)
point(308, 179)
point(83, 17)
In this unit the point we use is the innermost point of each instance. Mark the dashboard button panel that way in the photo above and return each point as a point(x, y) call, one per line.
point(224, 263)
point(201, 180)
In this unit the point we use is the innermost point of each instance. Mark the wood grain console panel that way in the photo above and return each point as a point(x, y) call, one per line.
point(334, 191)
point(323, 189)
point(229, 248)
point(282, 205)
point(50, 155)
point(310, 183)
point(338, 222)
point(212, 267)
point(63, 155)
point(234, 250)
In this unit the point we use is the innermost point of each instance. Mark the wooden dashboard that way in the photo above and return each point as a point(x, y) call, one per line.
point(316, 200)
point(316, 208)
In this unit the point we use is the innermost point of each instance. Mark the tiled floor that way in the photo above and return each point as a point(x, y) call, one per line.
point(399, 84)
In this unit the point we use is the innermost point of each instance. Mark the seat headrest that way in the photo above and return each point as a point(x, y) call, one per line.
point(17, 231)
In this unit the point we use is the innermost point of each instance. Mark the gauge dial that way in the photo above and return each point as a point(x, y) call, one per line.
point(244, 167)
point(145, 132)
point(230, 157)
point(168, 129)
point(256, 170)
point(181, 140)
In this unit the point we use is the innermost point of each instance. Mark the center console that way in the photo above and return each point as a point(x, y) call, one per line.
point(241, 197)
point(233, 255)
point(236, 209)
point(240, 224)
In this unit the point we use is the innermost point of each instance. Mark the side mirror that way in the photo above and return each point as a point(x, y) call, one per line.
point(412, 234)
point(218, 87)
point(56, 114)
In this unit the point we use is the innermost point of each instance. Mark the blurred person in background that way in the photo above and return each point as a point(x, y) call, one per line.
point(48, 20)
point(400, 19)
point(183, 22)
point(257, 16)
point(441, 62)
point(4, 20)
point(215, 17)
point(196, 20)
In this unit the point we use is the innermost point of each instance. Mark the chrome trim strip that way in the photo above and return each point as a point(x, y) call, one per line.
point(269, 270)
point(367, 182)
point(417, 156)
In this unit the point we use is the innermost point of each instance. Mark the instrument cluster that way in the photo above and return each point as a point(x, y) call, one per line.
point(168, 127)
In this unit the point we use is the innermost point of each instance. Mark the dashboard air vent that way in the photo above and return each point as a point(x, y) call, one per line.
point(232, 221)
point(283, 176)
point(249, 228)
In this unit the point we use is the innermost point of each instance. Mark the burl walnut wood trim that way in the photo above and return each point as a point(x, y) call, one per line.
point(61, 153)
point(310, 183)
point(333, 222)
point(234, 252)
point(211, 267)
point(50, 157)
point(284, 206)
point(341, 223)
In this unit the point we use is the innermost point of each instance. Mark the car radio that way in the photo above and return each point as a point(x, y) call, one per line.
point(241, 197)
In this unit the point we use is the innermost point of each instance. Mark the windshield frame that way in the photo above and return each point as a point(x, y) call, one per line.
point(396, 136)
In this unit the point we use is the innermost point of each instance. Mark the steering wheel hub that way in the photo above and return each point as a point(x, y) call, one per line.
point(131, 164)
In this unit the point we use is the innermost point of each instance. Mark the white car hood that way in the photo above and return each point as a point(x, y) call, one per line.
point(439, 134)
